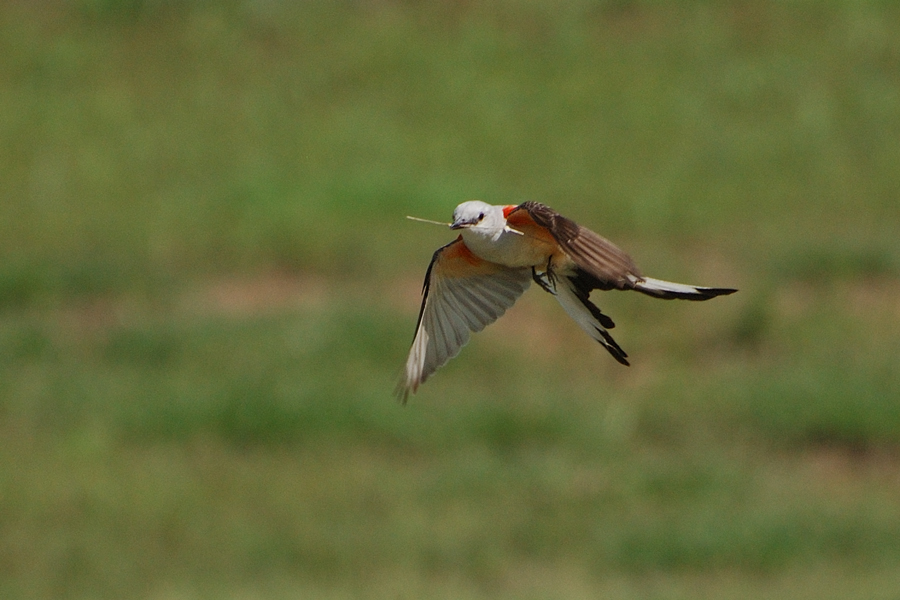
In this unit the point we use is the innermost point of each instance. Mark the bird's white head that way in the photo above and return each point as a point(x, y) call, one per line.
point(476, 214)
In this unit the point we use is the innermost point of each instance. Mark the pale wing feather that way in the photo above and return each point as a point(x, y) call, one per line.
point(453, 308)
point(457, 307)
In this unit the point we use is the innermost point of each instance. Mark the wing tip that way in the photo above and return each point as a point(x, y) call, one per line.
point(404, 389)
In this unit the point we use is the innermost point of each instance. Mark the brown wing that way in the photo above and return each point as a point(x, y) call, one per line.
point(592, 253)
point(462, 294)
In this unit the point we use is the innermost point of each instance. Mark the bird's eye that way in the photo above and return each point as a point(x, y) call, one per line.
point(480, 216)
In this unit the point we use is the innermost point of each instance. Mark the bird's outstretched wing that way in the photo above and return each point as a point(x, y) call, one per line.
point(604, 261)
point(601, 264)
point(462, 293)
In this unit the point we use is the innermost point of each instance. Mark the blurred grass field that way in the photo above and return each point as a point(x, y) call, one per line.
point(208, 288)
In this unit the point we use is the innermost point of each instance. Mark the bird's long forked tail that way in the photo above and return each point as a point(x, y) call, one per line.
point(589, 318)
point(668, 290)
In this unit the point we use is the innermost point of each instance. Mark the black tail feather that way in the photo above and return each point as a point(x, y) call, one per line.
point(669, 290)
point(613, 348)
point(583, 283)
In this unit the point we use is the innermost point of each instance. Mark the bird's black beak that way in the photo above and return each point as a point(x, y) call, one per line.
point(460, 224)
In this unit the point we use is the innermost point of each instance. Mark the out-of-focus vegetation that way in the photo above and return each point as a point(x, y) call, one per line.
point(207, 289)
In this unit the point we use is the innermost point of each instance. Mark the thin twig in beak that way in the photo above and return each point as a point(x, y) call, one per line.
point(426, 221)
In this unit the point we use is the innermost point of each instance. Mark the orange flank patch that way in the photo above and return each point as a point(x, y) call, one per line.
point(508, 209)
point(459, 251)
point(521, 220)
point(456, 260)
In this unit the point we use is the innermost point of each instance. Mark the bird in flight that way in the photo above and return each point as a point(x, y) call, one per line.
point(475, 278)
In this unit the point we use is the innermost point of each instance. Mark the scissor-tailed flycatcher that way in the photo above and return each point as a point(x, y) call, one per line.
point(475, 278)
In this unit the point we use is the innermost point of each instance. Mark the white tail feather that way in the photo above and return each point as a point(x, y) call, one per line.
point(668, 290)
point(575, 308)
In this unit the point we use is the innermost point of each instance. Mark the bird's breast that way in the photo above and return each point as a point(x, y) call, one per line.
point(511, 249)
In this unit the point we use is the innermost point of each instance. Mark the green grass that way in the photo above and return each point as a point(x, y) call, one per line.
point(207, 290)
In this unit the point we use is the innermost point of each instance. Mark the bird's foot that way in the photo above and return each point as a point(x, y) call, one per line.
point(545, 279)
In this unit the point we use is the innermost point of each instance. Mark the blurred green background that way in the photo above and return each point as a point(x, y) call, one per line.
point(208, 288)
